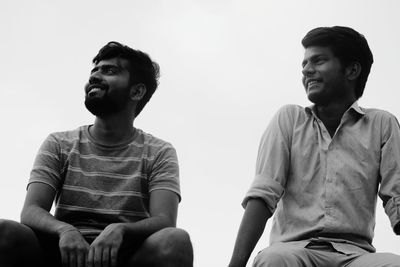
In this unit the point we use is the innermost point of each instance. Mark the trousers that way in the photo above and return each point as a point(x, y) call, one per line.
point(320, 255)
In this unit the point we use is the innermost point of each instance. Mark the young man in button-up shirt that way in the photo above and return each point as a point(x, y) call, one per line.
point(321, 168)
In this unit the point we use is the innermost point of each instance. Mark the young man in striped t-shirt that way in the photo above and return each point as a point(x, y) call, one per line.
point(116, 187)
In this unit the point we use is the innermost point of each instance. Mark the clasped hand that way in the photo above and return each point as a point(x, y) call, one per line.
point(103, 252)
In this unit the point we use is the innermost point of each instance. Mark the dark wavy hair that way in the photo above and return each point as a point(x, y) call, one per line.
point(347, 45)
point(141, 68)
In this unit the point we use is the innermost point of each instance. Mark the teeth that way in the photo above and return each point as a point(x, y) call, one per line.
point(312, 83)
point(94, 90)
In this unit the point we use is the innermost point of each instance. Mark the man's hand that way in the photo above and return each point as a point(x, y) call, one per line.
point(103, 251)
point(73, 248)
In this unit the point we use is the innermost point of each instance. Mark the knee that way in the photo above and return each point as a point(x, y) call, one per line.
point(269, 259)
point(8, 236)
point(174, 248)
point(18, 245)
point(279, 256)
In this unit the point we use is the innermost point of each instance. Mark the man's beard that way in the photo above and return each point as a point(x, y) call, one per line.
point(104, 106)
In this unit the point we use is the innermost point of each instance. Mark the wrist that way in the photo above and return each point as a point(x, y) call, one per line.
point(121, 227)
point(117, 227)
point(68, 228)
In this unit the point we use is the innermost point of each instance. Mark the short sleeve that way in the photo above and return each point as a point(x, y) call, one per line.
point(273, 160)
point(47, 167)
point(165, 170)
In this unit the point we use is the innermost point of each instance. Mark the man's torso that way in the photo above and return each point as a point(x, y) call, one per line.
point(97, 185)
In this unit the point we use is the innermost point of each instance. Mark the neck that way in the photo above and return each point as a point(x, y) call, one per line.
point(332, 111)
point(332, 114)
point(112, 130)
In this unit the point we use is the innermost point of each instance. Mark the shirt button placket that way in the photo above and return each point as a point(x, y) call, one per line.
point(329, 184)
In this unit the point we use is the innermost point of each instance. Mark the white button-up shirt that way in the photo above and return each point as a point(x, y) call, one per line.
point(323, 188)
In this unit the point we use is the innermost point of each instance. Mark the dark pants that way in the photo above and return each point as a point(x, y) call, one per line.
point(21, 246)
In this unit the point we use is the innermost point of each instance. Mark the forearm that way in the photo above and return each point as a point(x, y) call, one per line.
point(72, 246)
point(146, 227)
point(163, 213)
point(250, 231)
point(40, 219)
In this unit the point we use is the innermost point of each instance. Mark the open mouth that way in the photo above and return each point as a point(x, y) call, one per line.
point(312, 83)
point(95, 89)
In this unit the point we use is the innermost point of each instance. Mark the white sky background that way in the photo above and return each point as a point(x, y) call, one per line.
point(226, 66)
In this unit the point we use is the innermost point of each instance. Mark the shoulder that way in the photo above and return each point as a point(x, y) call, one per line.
point(284, 121)
point(377, 113)
point(379, 116)
point(382, 121)
point(152, 143)
point(291, 110)
point(290, 114)
point(69, 136)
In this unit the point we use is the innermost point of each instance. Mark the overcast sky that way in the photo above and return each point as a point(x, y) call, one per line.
point(226, 67)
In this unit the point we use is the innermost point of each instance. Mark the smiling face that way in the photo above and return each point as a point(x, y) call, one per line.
point(324, 77)
point(108, 89)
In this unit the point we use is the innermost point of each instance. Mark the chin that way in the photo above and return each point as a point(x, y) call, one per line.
point(316, 98)
point(312, 96)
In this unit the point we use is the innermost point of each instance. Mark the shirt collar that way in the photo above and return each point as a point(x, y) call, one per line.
point(357, 108)
point(311, 109)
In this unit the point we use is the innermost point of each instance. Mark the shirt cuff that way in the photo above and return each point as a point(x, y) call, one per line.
point(268, 190)
point(392, 209)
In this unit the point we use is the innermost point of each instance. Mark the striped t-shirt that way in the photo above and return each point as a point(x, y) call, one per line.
point(97, 185)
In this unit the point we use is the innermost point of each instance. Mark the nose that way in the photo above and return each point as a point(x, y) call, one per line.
point(308, 69)
point(94, 78)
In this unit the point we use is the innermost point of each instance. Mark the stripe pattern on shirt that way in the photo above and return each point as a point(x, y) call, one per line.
point(96, 184)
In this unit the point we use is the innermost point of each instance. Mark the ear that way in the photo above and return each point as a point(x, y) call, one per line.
point(137, 91)
point(353, 71)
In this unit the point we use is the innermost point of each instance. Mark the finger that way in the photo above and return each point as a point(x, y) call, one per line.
point(114, 256)
point(64, 258)
point(89, 258)
point(97, 257)
point(72, 259)
point(81, 259)
point(105, 258)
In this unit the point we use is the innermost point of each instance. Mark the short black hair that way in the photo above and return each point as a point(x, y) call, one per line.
point(347, 45)
point(141, 68)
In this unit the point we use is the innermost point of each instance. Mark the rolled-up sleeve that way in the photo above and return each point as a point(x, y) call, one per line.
point(389, 190)
point(392, 209)
point(268, 190)
point(273, 161)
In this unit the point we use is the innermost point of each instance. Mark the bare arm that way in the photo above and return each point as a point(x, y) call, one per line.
point(163, 213)
point(35, 213)
point(251, 228)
